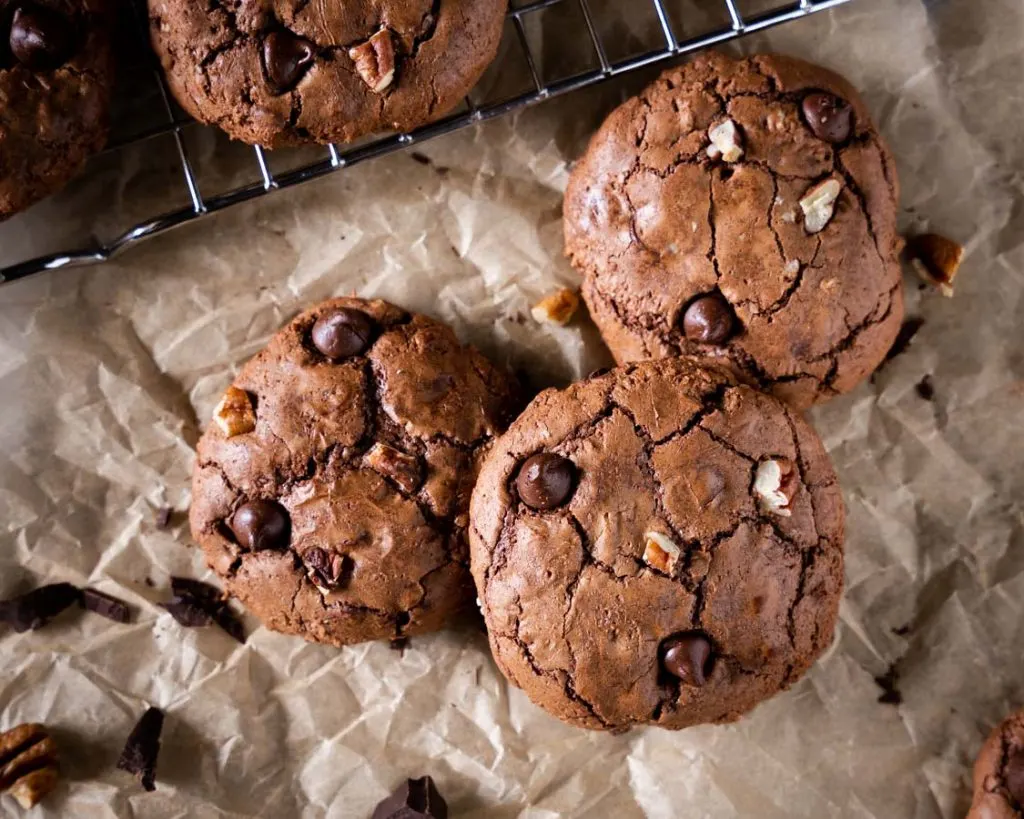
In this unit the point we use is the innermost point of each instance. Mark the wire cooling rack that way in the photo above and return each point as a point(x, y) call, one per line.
point(726, 20)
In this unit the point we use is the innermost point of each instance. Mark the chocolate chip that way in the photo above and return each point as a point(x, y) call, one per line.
point(889, 683)
point(142, 748)
point(41, 38)
point(688, 657)
point(286, 58)
point(709, 320)
point(1013, 775)
point(330, 569)
point(106, 606)
point(829, 117)
point(38, 607)
point(261, 524)
point(416, 799)
point(343, 333)
point(188, 611)
point(546, 481)
point(926, 388)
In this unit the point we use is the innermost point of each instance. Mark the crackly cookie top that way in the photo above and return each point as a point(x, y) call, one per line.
point(55, 80)
point(999, 773)
point(657, 545)
point(743, 210)
point(332, 490)
point(284, 72)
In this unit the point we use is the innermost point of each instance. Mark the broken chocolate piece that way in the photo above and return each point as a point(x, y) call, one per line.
point(230, 623)
point(889, 683)
point(106, 606)
point(163, 518)
point(416, 799)
point(196, 604)
point(142, 748)
point(188, 611)
point(38, 607)
point(196, 589)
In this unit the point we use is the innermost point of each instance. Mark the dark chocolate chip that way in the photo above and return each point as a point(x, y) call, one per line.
point(261, 524)
point(197, 590)
point(829, 117)
point(709, 320)
point(546, 481)
point(142, 748)
point(286, 58)
point(926, 388)
point(889, 683)
point(106, 606)
point(163, 518)
point(1013, 775)
point(41, 39)
point(343, 333)
point(331, 569)
point(189, 612)
point(688, 657)
point(38, 607)
point(416, 799)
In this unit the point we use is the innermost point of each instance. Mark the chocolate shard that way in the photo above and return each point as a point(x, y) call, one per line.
point(230, 622)
point(38, 607)
point(140, 752)
point(188, 611)
point(106, 606)
point(196, 589)
point(416, 799)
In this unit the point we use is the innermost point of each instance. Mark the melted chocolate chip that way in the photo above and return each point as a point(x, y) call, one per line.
point(286, 58)
point(41, 39)
point(829, 117)
point(546, 481)
point(688, 657)
point(261, 524)
point(1013, 775)
point(343, 333)
point(416, 799)
point(709, 320)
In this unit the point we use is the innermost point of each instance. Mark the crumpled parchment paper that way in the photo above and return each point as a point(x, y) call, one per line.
point(109, 374)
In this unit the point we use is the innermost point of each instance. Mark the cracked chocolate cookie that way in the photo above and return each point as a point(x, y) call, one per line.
point(658, 545)
point(287, 72)
point(331, 493)
point(743, 211)
point(56, 72)
point(999, 773)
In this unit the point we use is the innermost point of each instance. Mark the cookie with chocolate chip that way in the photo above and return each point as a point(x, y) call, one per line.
point(999, 773)
point(56, 73)
point(744, 211)
point(657, 545)
point(331, 493)
point(284, 72)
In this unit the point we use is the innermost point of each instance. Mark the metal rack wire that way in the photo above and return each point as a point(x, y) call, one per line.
point(734, 24)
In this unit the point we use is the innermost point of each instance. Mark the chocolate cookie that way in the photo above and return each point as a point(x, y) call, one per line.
point(286, 72)
point(332, 492)
point(745, 211)
point(55, 77)
point(999, 773)
point(657, 545)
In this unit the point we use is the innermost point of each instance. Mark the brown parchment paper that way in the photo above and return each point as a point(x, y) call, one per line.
point(107, 376)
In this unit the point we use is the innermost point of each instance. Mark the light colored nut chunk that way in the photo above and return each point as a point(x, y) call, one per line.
point(403, 469)
point(819, 204)
point(234, 414)
point(557, 308)
point(375, 60)
point(28, 764)
point(936, 260)
point(660, 552)
point(775, 485)
point(725, 142)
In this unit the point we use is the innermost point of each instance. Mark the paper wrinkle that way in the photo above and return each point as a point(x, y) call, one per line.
point(109, 375)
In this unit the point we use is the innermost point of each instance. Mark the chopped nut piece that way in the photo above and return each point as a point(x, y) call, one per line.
point(375, 60)
point(818, 205)
point(28, 764)
point(557, 308)
point(234, 414)
point(405, 470)
point(775, 485)
point(660, 552)
point(725, 142)
point(792, 267)
point(936, 260)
